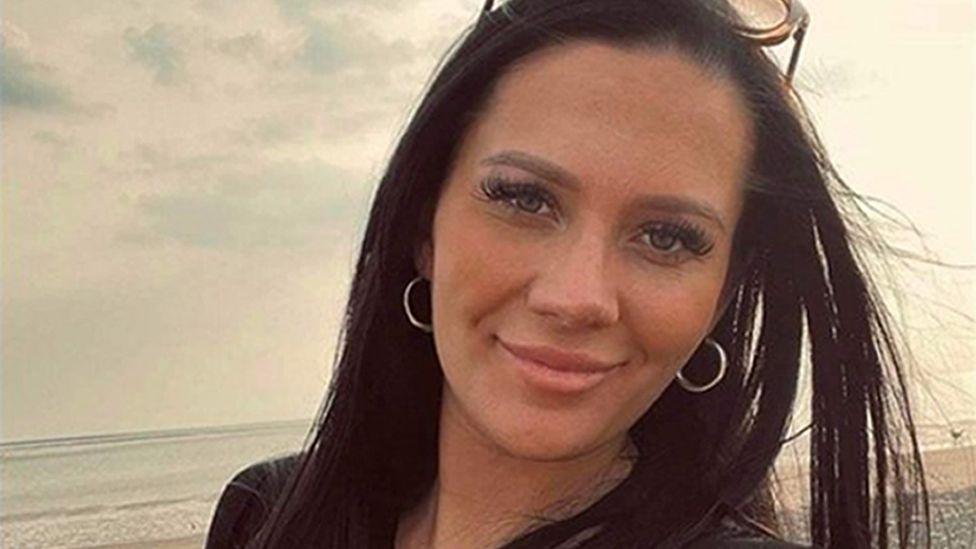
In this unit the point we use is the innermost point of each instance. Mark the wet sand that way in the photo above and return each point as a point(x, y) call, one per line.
point(193, 542)
point(946, 469)
point(950, 468)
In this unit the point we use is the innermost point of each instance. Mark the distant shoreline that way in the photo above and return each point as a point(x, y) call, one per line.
point(235, 428)
point(128, 436)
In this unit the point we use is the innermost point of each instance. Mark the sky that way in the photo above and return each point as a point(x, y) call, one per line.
point(184, 185)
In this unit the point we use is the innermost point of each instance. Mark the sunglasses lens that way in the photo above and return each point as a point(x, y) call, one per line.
point(762, 15)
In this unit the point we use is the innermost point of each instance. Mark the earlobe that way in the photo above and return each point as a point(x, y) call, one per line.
point(423, 259)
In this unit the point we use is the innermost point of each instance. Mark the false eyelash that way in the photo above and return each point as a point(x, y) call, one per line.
point(497, 188)
point(692, 237)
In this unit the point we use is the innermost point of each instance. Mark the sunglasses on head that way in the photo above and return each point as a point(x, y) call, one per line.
point(766, 22)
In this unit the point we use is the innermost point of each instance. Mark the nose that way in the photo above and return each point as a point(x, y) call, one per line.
point(574, 287)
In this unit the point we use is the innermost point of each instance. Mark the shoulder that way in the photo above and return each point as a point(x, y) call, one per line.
point(731, 532)
point(246, 500)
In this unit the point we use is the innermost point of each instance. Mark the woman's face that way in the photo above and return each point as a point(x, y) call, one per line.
point(581, 242)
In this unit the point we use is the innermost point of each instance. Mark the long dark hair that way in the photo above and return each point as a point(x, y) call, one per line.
point(798, 290)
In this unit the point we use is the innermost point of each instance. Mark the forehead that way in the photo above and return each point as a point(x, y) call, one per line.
point(640, 114)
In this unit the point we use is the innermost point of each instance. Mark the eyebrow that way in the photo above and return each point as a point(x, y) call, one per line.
point(556, 174)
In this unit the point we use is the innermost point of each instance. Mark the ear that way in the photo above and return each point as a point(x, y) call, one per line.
point(423, 259)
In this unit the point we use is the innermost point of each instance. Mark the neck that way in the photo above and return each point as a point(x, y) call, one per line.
point(484, 496)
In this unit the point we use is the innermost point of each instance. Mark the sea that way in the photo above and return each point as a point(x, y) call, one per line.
point(127, 488)
point(92, 491)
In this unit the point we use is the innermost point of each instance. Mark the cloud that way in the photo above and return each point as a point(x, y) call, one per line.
point(56, 144)
point(297, 125)
point(336, 39)
point(157, 159)
point(299, 9)
point(345, 45)
point(291, 205)
point(333, 73)
point(294, 9)
point(339, 55)
point(51, 138)
point(259, 132)
point(244, 46)
point(154, 49)
point(325, 50)
point(24, 83)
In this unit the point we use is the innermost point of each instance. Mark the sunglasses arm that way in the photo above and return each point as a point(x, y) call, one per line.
point(798, 36)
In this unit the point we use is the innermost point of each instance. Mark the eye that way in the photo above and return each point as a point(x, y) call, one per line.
point(664, 241)
point(671, 238)
point(522, 196)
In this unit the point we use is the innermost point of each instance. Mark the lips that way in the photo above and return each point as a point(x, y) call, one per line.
point(552, 371)
point(559, 360)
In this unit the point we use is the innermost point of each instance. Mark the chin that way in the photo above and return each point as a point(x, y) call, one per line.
point(545, 444)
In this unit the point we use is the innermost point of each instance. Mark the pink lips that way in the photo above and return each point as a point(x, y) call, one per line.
point(554, 370)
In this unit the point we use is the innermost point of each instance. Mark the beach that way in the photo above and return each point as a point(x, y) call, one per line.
point(129, 489)
point(191, 542)
point(160, 490)
point(950, 474)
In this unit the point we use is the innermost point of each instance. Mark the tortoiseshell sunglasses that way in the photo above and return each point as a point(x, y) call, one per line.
point(767, 22)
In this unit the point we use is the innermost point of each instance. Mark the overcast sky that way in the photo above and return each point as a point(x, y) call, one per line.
point(184, 182)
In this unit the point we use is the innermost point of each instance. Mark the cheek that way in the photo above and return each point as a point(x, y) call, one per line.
point(666, 321)
point(478, 265)
point(668, 317)
point(477, 271)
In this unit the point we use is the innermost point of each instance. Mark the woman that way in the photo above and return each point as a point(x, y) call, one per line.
point(595, 199)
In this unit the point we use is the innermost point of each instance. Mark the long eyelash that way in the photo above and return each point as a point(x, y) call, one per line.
point(502, 189)
point(692, 237)
point(497, 188)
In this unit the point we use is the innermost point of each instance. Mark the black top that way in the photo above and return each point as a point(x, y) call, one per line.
point(245, 502)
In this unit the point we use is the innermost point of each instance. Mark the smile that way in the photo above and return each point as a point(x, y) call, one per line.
point(556, 371)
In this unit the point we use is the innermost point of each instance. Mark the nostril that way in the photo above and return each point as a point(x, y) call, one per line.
point(575, 288)
point(575, 315)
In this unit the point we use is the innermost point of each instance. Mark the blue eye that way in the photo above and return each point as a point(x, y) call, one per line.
point(671, 237)
point(522, 196)
point(664, 241)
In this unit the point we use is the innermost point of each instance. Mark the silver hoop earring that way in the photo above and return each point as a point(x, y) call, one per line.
point(406, 306)
point(723, 364)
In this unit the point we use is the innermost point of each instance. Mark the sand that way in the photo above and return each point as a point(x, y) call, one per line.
point(193, 542)
point(949, 470)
